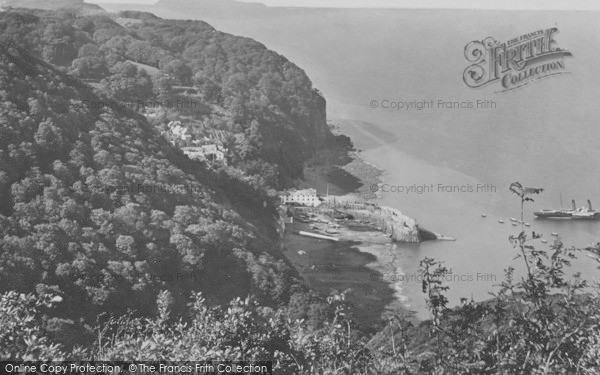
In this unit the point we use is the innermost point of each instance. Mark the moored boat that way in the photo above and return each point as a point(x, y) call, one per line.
point(441, 237)
point(573, 213)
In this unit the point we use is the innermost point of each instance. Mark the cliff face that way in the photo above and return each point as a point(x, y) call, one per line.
point(289, 146)
point(401, 228)
point(317, 121)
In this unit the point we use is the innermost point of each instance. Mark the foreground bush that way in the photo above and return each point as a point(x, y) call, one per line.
point(543, 324)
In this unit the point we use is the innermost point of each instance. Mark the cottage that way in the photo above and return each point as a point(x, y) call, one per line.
point(179, 131)
point(214, 153)
point(306, 197)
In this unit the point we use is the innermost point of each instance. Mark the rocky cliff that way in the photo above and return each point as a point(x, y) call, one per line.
point(400, 227)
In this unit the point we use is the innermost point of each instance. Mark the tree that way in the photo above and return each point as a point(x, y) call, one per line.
point(180, 72)
point(524, 193)
point(84, 24)
point(103, 35)
point(211, 92)
point(162, 87)
point(49, 136)
point(90, 67)
point(60, 47)
point(128, 83)
point(142, 51)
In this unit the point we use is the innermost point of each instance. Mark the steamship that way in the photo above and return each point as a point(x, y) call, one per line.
point(573, 213)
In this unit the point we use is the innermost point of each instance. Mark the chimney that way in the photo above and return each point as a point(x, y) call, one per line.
point(573, 202)
point(590, 205)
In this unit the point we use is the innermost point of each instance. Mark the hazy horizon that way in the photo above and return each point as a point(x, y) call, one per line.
point(408, 4)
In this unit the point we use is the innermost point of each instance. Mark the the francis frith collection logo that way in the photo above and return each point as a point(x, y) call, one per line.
point(514, 63)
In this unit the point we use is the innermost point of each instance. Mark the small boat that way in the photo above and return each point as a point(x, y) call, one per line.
point(444, 238)
point(514, 224)
point(520, 221)
point(301, 252)
point(501, 221)
point(318, 236)
point(513, 219)
point(483, 215)
point(544, 241)
point(527, 224)
point(554, 234)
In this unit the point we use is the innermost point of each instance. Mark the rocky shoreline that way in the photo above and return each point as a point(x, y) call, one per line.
point(390, 221)
point(345, 181)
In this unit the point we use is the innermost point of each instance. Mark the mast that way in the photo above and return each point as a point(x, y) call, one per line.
point(561, 202)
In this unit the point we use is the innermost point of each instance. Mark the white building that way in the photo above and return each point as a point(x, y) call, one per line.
point(212, 153)
point(179, 131)
point(306, 197)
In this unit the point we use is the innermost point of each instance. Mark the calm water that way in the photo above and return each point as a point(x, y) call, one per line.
point(544, 135)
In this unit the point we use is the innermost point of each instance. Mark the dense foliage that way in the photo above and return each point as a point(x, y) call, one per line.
point(97, 202)
point(97, 207)
point(523, 330)
point(259, 105)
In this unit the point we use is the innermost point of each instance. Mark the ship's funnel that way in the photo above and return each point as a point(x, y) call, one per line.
point(590, 205)
point(573, 202)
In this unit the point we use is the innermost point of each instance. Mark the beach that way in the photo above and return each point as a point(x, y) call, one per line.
point(364, 260)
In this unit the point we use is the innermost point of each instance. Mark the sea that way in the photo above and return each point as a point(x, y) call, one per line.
point(371, 64)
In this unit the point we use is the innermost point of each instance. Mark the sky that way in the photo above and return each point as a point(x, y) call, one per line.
point(447, 4)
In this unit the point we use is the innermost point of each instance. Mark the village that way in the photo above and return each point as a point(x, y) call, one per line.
point(338, 218)
point(205, 149)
